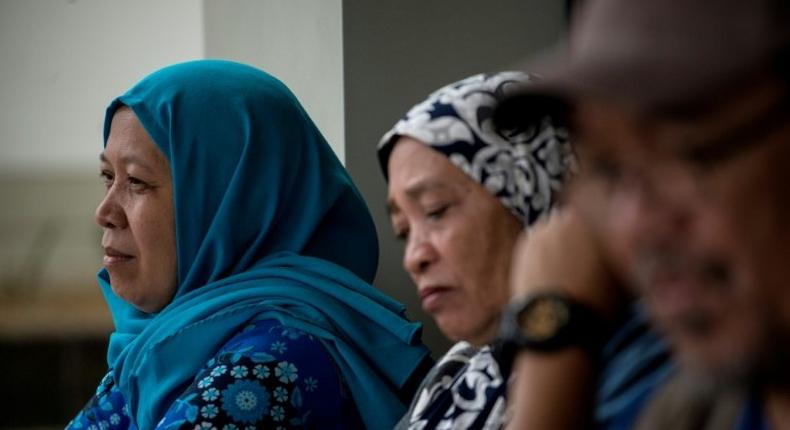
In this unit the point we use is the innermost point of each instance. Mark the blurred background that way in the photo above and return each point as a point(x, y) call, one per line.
point(356, 65)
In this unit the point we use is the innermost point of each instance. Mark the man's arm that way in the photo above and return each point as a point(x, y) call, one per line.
point(556, 389)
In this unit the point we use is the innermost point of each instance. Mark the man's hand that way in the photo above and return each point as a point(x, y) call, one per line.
point(561, 255)
point(556, 390)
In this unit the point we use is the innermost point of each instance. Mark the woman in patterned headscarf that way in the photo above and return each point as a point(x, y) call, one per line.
point(237, 267)
point(460, 192)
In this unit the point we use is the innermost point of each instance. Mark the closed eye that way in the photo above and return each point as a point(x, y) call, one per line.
point(437, 213)
point(107, 178)
point(400, 229)
point(402, 235)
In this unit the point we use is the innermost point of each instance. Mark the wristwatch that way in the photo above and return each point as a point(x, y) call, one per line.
point(545, 322)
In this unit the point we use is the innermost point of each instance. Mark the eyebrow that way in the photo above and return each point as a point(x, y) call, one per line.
point(748, 134)
point(391, 208)
point(129, 159)
point(415, 191)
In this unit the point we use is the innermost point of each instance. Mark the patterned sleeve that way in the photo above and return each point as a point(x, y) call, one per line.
point(269, 376)
point(106, 410)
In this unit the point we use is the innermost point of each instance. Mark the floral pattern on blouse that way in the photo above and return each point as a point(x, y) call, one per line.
point(106, 410)
point(267, 376)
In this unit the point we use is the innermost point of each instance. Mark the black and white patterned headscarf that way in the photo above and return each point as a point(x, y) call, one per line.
point(523, 168)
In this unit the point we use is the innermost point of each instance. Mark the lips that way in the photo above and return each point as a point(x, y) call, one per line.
point(669, 280)
point(684, 303)
point(113, 257)
point(673, 292)
point(432, 298)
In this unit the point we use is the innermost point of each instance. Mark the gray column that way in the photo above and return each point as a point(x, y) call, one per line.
point(298, 41)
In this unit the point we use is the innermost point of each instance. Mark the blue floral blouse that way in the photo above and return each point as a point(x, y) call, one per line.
point(268, 376)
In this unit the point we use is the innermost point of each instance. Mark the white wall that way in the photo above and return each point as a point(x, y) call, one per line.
point(298, 41)
point(61, 62)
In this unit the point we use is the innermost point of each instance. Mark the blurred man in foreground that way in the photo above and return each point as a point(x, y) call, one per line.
point(681, 111)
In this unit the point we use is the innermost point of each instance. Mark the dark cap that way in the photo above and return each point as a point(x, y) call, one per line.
point(658, 54)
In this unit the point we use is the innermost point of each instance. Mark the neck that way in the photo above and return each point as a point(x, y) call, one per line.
point(486, 335)
point(777, 409)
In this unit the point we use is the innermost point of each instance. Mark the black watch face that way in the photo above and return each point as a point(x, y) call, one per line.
point(543, 318)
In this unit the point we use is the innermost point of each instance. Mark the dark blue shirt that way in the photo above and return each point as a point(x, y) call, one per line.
point(266, 376)
point(636, 363)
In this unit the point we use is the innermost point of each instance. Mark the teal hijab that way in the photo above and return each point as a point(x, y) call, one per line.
point(268, 225)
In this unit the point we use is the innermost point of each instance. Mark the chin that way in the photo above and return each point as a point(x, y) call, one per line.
point(718, 361)
point(759, 359)
point(122, 292)
point(132, 299)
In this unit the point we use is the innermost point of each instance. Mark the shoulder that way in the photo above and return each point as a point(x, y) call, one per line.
point(106, 410)
point(266, 375)
point(463, 358)
point(464, 386)
point(268, 339)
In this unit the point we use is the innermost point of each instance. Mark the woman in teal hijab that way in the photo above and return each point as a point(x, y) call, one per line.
point(237, 267)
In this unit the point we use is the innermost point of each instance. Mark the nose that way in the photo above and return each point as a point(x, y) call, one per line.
point(109, 213)
point(650, 214)
point(419, 255)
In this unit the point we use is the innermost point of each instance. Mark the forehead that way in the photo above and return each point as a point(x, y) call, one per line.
point(129, 142)
point(414, 167)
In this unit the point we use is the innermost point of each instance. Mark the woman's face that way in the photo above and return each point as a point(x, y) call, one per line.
point(459, 239)
point(136, 215)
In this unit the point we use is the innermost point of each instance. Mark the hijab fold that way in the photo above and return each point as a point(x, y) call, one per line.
point(268, 225)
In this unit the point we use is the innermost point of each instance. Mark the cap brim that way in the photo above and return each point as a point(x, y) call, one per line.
point(550, 95)
point(642, 82)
